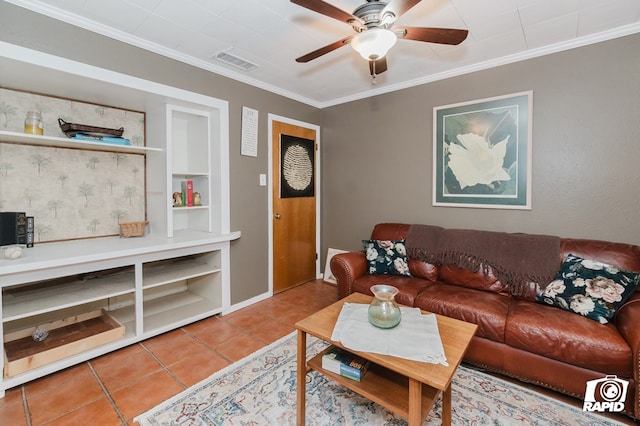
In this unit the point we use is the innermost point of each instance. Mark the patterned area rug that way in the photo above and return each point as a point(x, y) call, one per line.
point(261, 390)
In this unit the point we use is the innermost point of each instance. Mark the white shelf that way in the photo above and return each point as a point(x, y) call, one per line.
point(179, 209)
point(127, 317)
point(34, 300)
point(53, 141)
point(183, 308)
point(172, 272)
point(185, 175)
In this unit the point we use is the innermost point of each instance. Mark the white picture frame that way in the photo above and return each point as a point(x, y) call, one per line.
point(327, 276)
point(499, 128)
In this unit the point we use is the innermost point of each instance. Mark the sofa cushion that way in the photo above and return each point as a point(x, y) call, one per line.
point(399, 231)
point(390, 231)
point(409, 286)
point(420, 269)
point(593, 289)
point(624, 256)
point(487, 310)
point(564, 336)
point(452, 274)
point(386, 257)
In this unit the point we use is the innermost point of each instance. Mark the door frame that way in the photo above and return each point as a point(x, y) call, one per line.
point(316, 128)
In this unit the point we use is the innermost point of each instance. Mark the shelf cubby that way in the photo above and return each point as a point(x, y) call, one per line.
point(39, 298)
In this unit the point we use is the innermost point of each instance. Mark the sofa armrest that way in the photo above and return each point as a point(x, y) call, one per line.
point(626, 320)
point(346, 267)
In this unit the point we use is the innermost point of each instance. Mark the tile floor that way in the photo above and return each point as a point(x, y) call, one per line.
point(114, 388)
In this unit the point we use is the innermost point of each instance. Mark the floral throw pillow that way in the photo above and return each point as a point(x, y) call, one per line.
point(386, 257)
point(589, 288)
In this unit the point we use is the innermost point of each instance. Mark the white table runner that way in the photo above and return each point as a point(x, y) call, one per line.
point(416, 337)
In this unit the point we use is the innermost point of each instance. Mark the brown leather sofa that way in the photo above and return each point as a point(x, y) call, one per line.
point(517, 336)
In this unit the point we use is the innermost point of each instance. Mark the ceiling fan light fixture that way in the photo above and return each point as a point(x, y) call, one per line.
point(373, 44)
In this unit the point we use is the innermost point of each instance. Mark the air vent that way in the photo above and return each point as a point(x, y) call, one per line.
point(235, 61)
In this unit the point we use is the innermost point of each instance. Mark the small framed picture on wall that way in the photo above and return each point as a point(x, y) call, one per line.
point(328, 276)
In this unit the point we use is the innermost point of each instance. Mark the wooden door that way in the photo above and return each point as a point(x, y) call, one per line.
point(294, 204)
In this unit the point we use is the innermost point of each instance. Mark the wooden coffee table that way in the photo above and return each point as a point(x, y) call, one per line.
point(408, 388)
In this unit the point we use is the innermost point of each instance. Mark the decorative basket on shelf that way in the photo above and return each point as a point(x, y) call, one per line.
point(133, 229)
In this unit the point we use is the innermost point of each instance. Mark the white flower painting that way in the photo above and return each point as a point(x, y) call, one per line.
point(475, 161)
point(482, 153)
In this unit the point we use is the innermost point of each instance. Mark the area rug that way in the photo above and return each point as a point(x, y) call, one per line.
point(261, 390)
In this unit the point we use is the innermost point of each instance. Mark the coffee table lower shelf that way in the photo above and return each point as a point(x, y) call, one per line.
point(408, 388)
point(382, 386)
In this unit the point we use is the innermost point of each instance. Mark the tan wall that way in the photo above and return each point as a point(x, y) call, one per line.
point(377, 158)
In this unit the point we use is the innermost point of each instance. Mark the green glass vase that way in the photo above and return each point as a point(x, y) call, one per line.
point(384, 312)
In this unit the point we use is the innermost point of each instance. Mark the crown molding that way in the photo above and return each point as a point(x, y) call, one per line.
point(55, 13)
point(481, 66)
point(96, 27)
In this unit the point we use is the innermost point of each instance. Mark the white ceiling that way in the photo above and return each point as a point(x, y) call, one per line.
point(272, 33)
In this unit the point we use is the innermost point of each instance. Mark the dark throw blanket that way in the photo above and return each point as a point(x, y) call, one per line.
point(515, 259)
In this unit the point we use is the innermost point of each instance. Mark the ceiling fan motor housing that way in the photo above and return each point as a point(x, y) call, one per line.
point(369, 15)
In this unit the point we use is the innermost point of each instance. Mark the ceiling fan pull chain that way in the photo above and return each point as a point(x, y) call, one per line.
point(373, 74)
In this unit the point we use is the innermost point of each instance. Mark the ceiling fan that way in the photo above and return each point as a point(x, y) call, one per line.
point(376, 33)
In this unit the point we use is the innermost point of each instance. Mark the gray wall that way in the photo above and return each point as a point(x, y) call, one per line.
point(377, 163)
point(249, 262)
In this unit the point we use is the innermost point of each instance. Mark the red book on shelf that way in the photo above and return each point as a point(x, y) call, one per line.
point(189, 190)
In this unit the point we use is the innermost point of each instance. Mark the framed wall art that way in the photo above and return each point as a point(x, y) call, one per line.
point(297, 167)
point(482, 153)
point(328, 275)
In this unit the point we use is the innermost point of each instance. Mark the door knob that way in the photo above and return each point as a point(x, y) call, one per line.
point(278, 216)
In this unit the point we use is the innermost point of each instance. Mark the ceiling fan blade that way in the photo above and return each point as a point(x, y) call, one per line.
point(433, 35)
point(326, 9)
point(378, 67)
point(398, 7)
point(324, 50)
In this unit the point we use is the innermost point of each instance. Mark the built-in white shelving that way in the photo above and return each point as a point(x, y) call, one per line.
point(193, 152)
point(150, 285)
point(178, 272)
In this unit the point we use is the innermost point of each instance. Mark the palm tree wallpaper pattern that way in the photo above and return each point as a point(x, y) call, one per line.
point(72, 193)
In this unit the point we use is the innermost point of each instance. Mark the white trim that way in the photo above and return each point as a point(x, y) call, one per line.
point(79, 69)
point(248, 302)
point(316, 128)
point(132, 40)
point(96, 27)
point(492, 63)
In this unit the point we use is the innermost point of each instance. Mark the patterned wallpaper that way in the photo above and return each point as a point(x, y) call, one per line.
point(72, 193)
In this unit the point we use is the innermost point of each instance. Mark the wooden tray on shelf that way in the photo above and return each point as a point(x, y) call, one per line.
point(71, 129)
point(67, 337)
